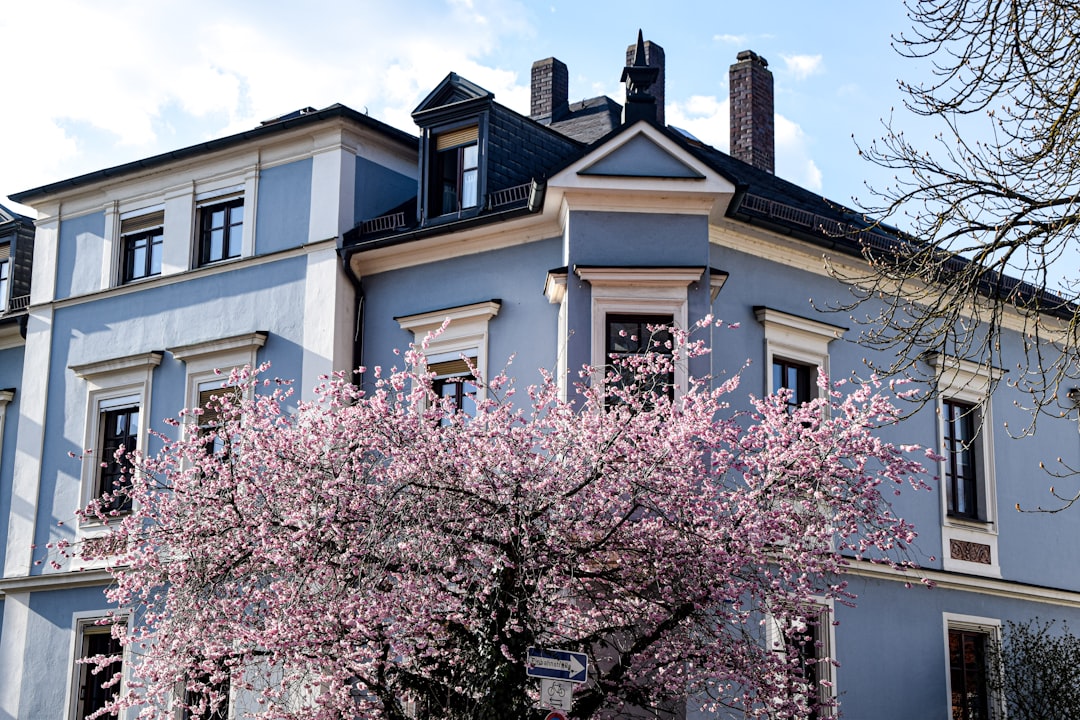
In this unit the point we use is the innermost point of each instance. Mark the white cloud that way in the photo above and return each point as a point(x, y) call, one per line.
point(731, 39)
point(704, 117)
point(793, 159)
point(803, 66)
point(708, 119)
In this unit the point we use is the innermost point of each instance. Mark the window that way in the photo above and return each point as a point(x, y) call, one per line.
point(966, 444)
point(199, 698)
point(659, 292)
point(94, 640)
point(795, 377)
point(221, 227)
point(455, 171)
point(795, 347)
point(967, 675)
point(454, 380)
point(811, 639)
point(119, 428)
point(117, 392)
point(961, 480)
point(966, 641)
point(465, 337)
point(208, 366)
point(628, 335)
point(141, 240)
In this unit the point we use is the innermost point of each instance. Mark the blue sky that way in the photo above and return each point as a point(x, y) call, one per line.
point(103, 83)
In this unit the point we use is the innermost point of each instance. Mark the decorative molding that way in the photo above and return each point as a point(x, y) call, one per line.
point(422, 323)
point(55, 581)
point(197, 351)
point(969, 551)
point(94, 370)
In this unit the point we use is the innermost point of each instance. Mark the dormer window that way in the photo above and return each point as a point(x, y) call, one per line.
point(454, 171)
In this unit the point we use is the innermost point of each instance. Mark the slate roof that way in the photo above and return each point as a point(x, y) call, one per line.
point(589, 120)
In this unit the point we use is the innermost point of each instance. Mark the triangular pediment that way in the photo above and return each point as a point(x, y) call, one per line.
point(453, 90)
point(641, 156)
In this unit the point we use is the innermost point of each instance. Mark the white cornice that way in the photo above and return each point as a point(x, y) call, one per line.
point(967, 583)
point(424, 322)
point(639, 276)
point(55, 581)
point(11, 336)
point(196, 351)
point(91, 371)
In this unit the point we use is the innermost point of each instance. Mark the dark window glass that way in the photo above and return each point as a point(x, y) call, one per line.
point(92, 696)
point(630, 335)
point(967, 670)
point(197, 703)
point(118, 427)
point(142, 255)
point(811, 653)
point(454, 380)
point(794, 377)
point(220, 231)
point(961, 476)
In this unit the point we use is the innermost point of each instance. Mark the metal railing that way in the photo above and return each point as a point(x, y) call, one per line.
point(510, 195)
point(393, 221)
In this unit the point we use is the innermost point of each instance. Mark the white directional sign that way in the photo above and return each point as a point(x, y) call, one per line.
point(556, 694)
point(557, 665)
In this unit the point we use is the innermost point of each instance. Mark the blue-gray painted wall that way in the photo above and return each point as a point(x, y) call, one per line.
point(379, 190)
point(284, 207)
point(11, 367)
point(267, 297)
point(80, 254)
point(51, 622)
point(526, 325)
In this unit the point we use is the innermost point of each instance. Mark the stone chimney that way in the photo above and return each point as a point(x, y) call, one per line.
point(550, 90)
point(751, 87)
point(654, 57)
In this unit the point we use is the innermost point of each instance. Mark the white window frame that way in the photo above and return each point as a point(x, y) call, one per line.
point(79, 624)
point(638, 291)
point(969, 383)
point(120, 252)
point(991, 627)
point(777, 642)
point(110, 384)
point(799, 340)
point(465, 336)
point(5, 287)
point(209, 364)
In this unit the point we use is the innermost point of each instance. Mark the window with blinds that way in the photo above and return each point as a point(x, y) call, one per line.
point(454, 171)
point(141, 240)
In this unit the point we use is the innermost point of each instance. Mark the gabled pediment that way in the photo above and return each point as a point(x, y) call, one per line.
point(641, 156)
point(454, 90)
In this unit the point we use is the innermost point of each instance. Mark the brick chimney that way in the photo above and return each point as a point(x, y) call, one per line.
point(654, 57)
point(751, 87)
point(550, 90)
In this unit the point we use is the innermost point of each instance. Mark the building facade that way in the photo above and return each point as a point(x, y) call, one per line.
point(325, 240)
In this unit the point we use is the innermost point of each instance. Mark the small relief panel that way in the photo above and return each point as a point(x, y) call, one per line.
point(969, 551)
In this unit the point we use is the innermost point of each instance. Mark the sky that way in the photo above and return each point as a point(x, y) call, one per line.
point(89, 85)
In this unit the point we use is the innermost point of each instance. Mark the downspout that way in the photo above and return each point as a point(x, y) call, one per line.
point(358, 332)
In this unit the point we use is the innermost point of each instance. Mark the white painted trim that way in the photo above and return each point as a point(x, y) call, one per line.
point(774, 637)
point(13, 652)
point(991, 627)
point(968, 382)
point(43, 273)
point(466, 334)
point(11, 336)
point(968, 583)
point(645, 291)
point(328, 321)
point(199, 353)
point(95, 370)
point(80, 621)
point(30, 442)
point(797, 339)
point(11, 587)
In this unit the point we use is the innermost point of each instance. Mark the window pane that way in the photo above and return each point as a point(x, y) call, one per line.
point(97, 641)
point(468, 188)
point(155, 256)
point(469, 156)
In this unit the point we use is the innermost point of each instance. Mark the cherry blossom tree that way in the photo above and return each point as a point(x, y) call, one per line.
point(380, 555)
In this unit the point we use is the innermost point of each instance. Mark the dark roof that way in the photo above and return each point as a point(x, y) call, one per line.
point(286, 122)
point(589, 120)
point(8, 215)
